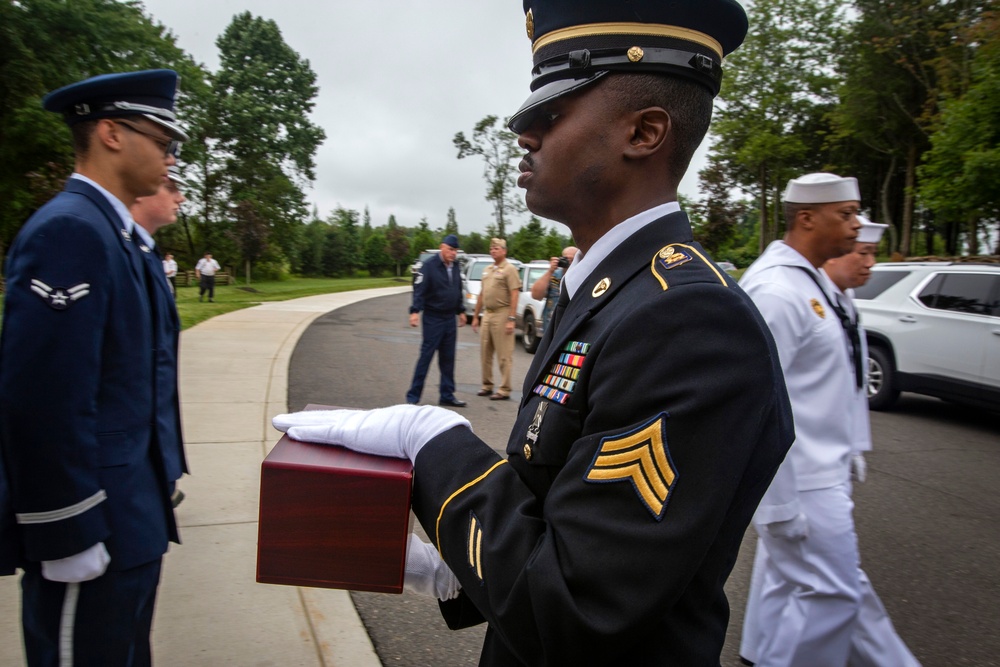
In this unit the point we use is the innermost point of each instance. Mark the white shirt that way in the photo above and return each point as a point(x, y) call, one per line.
point(207, 267)
point(819, 374)
point(170, 267)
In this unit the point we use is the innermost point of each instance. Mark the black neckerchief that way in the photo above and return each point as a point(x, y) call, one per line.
point(849, 325)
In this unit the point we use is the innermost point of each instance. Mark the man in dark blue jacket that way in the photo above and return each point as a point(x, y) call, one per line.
point(87, 474)
point(437, 292)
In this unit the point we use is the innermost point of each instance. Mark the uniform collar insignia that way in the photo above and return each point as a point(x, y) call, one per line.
point(59, 298)
point(126, 235)
point(641, 458)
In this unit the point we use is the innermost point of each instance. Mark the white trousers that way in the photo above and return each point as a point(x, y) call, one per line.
point(810, 603)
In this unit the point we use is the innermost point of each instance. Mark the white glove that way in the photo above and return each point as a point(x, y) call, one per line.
point(859, 468)
point(399, 431)
point(793, 530)
point(426, 573)
point(84, 566)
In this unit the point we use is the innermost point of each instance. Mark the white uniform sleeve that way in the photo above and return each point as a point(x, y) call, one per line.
point(776, 306)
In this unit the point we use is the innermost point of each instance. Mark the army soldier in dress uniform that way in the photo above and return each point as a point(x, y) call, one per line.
point(87, 473)
point(501, 285)
point(810, 603)
point(151, 214)
point(654, 413)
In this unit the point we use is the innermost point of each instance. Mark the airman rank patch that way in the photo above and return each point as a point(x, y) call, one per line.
point(642, 458)
point(475, 548)
point(59, 298)
point(560, 382)
point(817, 308)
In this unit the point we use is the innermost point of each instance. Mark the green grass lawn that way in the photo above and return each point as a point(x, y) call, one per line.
point(234, 297)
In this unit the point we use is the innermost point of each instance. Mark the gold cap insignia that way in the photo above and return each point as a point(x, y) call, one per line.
point(475, 550)
point(601, 287)
point(529, 25)
point(817, 308)
point(642, 458)
point(635, 54)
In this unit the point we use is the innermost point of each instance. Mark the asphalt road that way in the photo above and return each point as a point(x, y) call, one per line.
point(928, 517)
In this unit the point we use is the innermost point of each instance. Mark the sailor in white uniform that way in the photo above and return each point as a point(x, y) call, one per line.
point(810, 603)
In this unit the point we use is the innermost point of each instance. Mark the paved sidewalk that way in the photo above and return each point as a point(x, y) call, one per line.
point(210, 610)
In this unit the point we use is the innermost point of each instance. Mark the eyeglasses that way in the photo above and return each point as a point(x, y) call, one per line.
point(169, 146)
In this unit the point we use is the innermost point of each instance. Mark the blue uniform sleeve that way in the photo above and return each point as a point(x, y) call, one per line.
point(55, 312)
point(419, 291)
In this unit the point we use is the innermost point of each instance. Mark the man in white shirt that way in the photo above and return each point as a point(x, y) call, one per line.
point(810, 604)
point(205, 271)
point(170, 271)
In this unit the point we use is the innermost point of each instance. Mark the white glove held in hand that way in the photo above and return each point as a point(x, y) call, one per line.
point(426, 573)
point(84, 566)
point(859, 468)
point(399, 431)
point(792, 530)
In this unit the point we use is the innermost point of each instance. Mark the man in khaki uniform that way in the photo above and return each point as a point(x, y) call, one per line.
point(498, 297)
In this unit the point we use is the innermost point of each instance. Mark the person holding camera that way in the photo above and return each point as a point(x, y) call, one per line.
point(548, 283)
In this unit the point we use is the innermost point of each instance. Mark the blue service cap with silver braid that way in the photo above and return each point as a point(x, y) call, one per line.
point(147, 93)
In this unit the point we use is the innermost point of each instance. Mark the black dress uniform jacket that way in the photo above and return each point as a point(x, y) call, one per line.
point(651, 424)
point(76, 388)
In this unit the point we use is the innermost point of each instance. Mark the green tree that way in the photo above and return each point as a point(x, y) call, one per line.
point(719, 215)
point(451, 226)
point(46, 44)
point(959, 175)
point(376, 254)
point(475, 243)
point(778, 87)
point(398, 244)
point(497, 146)
point(250, 234)
point(528, 243)
point(423, 238)
point(349, 239)
point(261, 100)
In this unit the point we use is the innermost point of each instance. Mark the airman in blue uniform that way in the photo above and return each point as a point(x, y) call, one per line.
point(437, 293)
point(88, 476)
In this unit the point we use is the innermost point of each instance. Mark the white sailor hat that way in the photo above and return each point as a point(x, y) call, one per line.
point(822, 188)
point(147, 93)
point(870, 232)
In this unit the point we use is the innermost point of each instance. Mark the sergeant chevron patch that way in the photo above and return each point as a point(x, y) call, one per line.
point(475, 550)
point(642, 458)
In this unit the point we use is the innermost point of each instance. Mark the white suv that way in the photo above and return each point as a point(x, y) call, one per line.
point(933, 328)
point(529, 310)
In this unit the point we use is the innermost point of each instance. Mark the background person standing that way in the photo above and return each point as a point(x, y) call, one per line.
point(150, 214)
point(547, 285)
point(170, 271)
point(501, 286)
point(437, 293)
point(810, 604)
point(86, 471)
point(205, 271)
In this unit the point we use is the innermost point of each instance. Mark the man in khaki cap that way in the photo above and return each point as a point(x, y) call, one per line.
point(500, 288)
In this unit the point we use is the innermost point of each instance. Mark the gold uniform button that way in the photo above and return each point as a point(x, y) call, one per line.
point(527, 452)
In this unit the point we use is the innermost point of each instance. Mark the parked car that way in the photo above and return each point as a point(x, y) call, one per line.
point(529, 310)
point(472, 277)
point(933, 328)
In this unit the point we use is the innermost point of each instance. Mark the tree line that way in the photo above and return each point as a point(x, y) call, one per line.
point(905, 96)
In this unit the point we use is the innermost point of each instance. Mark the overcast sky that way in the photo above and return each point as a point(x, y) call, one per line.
point(397, 79)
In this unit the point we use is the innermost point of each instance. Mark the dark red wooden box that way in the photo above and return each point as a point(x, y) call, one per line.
point(333, 518)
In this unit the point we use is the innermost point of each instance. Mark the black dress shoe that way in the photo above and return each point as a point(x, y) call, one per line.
point(499, 397)
point(452, 403)
point(484, 392)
